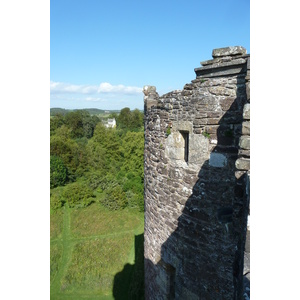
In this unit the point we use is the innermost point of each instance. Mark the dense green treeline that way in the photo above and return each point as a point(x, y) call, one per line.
point(93, 111)
point(92, 163)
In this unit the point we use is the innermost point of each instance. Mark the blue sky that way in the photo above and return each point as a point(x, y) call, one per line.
point(102, 53)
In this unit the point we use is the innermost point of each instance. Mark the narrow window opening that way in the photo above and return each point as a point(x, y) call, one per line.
point(171, 275)
point(185, 135)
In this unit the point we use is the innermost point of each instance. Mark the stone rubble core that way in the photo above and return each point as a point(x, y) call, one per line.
point(197, 183)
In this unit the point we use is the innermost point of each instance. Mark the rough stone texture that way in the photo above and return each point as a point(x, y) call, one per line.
point(221, 68)
point(246, 128)
point(243, 164)
point(248, 90)
point(151, 96)
point(196, 203)
point(246, 112)
point(228, 51)
point(245, 142)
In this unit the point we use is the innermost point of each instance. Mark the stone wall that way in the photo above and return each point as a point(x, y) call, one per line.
point(197, 152)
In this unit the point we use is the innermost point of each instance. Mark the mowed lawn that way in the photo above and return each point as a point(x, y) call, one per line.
point(91, 249)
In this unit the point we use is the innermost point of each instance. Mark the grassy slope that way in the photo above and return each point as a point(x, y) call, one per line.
point(90, 249)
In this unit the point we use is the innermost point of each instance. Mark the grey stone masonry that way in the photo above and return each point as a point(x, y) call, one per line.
point(229, 51)
point(197, 175)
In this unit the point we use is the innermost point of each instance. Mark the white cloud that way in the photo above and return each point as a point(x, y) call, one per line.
point(104, 87)
point(104, 96)
point(60, 87)
point(93, 99)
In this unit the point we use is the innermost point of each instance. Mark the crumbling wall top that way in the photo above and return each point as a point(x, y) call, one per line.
point(151, 96)
point(226, 61)
point(229, 51)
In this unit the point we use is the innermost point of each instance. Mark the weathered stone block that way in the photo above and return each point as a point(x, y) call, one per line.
point(226, 102)
point(213, 121)
point(212, 129)
point(147, 89)
point(214, 114)
point(245, 142)
point(243, 152)
point(246, 111)
point(246, 127)
point(149, 103)
point(222, 91)
point(242, 164)
point(239, 174)
point(248, 90)
point(248, 75)
point(229, 51)
point(217, 60)
point(200, 122)
point(233, 67)
point(187, 92)
point(188, 86)
point(198, 149)
point(175, 174)
point(182, 126)
point(210, 61)
point(162, 170)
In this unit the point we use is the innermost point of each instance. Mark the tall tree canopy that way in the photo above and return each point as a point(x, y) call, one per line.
point(58, 171)
point(130, 120)
point(96, 163)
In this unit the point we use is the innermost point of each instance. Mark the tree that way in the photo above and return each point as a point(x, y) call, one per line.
point(58, 171)
point(130, 120)
point(74, 120)
point(133, 152)
point(55, 201)
point(110, 144)
point(113, 115)
point(64, 132)
point(70, 152)
point(96, 155)
point(124, 118)
point(114, 197)
point(132, 170)
point(89, 124)
point(56, 122)
point(78, 194)
point(137, 119)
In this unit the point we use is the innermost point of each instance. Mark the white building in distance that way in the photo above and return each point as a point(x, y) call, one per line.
point(111, 123)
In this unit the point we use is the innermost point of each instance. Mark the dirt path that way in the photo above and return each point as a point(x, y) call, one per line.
point(66, 255)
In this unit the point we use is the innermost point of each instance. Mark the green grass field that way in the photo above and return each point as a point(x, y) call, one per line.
point(96, 253)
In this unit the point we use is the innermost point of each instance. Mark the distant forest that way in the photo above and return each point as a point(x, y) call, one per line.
point(92, 163)
point(92, 111)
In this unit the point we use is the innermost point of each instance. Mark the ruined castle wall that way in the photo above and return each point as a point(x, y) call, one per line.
point(197, 152)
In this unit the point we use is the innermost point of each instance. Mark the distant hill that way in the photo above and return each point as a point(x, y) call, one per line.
point(93, 111)
point(55, 111)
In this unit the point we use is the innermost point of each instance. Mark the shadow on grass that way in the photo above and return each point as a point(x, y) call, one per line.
point(129, 283)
